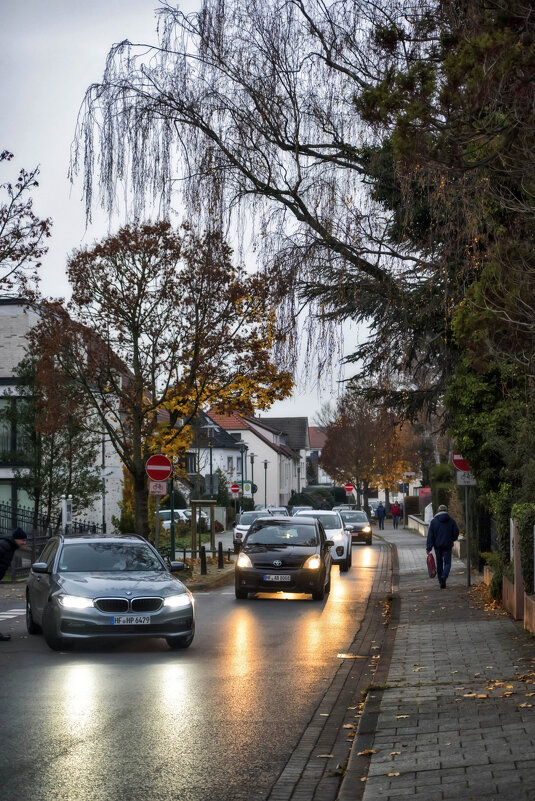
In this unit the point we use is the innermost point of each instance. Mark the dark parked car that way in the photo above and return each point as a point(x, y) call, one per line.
point(358, 525)
point(86, 587)
point(285, 553)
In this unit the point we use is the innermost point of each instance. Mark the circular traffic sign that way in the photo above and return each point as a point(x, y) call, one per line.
point(349, 487)
point(235, 488)
point(460, 463)
point(159, 467)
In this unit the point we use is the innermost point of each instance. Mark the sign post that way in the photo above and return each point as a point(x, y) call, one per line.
point(349, 488)
point(465, 479)
point(235, 489)
point(158, 468)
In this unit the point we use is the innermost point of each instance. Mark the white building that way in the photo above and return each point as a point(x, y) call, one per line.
point(266, 460)
point(16, 321)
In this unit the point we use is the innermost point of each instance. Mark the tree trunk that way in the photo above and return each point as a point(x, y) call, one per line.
point(141, 504)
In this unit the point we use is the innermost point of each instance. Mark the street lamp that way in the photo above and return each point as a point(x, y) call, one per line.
point(251, 457)
point(265, 481)
point(210, 429)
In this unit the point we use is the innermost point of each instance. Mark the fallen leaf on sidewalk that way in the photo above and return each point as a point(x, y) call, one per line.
point(324, 756)
point(525, 706)
point(392, 774)
point(399, 717)
point(395, 753)
point(348, 726)
point(417, 670)
point(366, 752)
point(482, 695)
point(364, 779)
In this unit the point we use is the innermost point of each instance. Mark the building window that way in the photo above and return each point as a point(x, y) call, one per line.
point(230, 464)
point(191, 463)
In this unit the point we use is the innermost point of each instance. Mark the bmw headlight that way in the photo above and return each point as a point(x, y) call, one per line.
point(367, 529)
point(75, 602)
point(338, 537)
point(243, 560)
point(178, 601)
point(313, 562)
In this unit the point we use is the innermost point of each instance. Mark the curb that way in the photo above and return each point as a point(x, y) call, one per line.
point(221, 580)
point(353, 783)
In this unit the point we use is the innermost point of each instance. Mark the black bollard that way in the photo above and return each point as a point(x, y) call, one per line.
point(204, 570)
point(219, 555)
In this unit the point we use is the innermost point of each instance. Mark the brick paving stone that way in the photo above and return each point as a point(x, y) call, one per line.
point(447, 651)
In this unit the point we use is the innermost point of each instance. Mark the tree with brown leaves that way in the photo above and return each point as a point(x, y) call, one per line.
point(160, 323)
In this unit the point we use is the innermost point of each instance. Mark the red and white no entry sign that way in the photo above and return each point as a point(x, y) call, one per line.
point(235, 488)
point(460, 463)
point(158, 467)
point(349, 487)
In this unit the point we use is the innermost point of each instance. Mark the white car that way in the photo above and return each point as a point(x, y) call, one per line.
point(335, 531)
point(242, 525)
point(165, 518)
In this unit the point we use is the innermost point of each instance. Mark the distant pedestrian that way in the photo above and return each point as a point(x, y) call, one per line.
point(396, 513)
point(380, 514)
point(8, 545)
point(442, 533)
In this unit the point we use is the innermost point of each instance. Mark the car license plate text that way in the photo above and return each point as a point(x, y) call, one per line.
point(130, 620)
point(276, 577)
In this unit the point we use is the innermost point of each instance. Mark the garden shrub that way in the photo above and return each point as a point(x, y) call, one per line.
point(524, 516)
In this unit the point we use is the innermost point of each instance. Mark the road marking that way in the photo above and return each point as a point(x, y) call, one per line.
point(9, 613)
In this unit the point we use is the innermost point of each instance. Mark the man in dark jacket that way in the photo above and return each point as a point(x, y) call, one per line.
point(443, 531)
point(380, 514)
point(8, 546)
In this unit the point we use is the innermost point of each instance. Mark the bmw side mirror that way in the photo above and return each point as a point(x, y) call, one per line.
point(40, 567)
point(176, 567)
point(329, 543)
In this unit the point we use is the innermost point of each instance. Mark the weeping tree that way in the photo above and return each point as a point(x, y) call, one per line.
point(252, 109)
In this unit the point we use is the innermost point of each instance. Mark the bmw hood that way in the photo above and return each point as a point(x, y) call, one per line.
point(98, 585)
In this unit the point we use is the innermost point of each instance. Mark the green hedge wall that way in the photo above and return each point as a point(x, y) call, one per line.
point(524, 516)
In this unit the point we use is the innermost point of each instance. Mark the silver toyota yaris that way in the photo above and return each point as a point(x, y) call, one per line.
point(118, 586)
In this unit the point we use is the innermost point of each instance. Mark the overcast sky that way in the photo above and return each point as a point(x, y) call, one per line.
point(50, 52)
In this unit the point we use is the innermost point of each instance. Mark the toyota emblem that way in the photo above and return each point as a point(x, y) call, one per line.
point(277, 563)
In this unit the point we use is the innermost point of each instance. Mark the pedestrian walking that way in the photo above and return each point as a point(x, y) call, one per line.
point(395, 509)
point(442, 533)
point(380, 514)
point(8, 546)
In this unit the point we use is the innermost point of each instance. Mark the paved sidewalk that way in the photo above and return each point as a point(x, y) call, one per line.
point(457, 717)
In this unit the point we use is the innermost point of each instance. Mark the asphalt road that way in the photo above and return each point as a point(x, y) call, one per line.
point(138, 721)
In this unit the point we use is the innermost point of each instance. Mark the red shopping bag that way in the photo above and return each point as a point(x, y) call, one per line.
point(431, 566)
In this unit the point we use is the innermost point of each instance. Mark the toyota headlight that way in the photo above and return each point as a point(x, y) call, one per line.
point(338, 537)
point(313, 562)
point(243, 560)
point(178, 601)
point(75, 602)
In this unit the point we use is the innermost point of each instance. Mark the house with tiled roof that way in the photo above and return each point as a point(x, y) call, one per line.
point(315, 473)
point(267, 458)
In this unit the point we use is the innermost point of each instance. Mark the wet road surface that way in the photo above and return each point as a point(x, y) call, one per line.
point(138, 721)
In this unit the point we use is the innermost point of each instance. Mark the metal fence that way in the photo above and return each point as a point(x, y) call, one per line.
point(12, 517)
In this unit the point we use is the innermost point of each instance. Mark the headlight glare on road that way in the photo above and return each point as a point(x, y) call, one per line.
point(243, 560)
point(367, 529)
point(313, 562)
point(75, 602)
point(178, 601)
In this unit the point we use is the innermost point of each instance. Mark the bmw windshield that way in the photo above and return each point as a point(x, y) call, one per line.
point(107, 557)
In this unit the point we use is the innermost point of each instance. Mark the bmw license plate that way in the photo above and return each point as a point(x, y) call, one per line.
point(130, 620)
point(276, 577)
